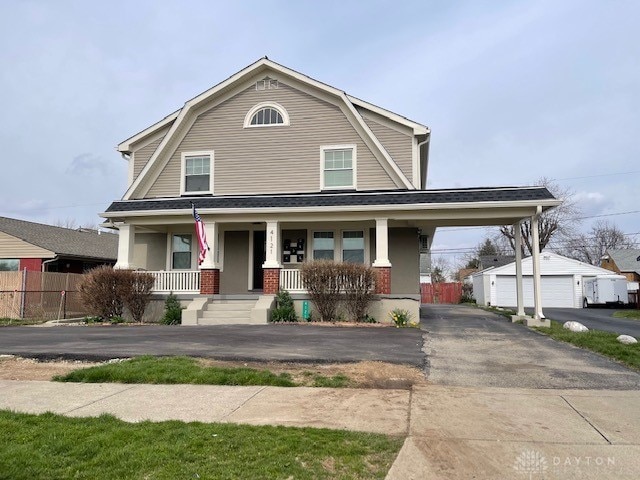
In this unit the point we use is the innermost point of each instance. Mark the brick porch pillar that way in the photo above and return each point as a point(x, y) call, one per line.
point(271, 281)
point(383, 282)
point(209, 281)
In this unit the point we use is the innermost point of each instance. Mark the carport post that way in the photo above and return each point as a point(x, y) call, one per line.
point(535, 246)
point(518, 245)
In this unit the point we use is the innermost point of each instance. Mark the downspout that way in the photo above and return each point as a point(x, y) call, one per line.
point(49, 261)
point(426, 158)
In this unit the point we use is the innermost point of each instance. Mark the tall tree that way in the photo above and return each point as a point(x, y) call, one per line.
point(558, 223)
point(590, 247)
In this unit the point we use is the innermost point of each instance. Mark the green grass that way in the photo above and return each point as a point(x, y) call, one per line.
point(598, 341)
point(182, 370)
point(50, 446)
point(174, 370)
point(14, 322)
point(627, 314)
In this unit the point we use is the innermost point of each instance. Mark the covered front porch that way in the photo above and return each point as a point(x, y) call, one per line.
point(257, 244)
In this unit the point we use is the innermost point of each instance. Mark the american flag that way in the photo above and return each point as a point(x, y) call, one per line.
point(202, 236)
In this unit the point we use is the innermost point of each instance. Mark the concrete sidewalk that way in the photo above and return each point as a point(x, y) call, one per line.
point(452, 432)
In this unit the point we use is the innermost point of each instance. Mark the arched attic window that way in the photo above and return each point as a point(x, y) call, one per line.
point(266, 115)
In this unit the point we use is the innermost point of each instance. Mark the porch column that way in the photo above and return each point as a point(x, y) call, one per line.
point(210, 268)
point(271, 266)
point(382, 263)
point(518, 245)
point(126, 243)
point(535, 245)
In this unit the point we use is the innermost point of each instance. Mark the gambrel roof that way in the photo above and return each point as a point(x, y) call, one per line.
point(177, 123)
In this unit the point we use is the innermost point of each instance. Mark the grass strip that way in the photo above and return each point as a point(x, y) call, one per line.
point(51, 446)
point(185, 370)
point(16, 322)
point(627, 314)
point(598, 341)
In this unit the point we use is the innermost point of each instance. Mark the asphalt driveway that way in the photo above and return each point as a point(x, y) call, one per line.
point(596, 318)
point(293, 343)
point(467, 346)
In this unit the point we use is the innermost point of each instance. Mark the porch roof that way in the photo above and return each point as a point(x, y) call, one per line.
point(402, 198)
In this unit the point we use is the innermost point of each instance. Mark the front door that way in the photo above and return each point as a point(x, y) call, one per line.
point(259, 256)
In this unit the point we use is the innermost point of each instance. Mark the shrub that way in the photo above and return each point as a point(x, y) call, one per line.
point(137, 295)
point(103, 289)
point(358, 283)
point(322, 280)
point(284, 311)
point(172, 311)
point(467, 293)
point(400, 317)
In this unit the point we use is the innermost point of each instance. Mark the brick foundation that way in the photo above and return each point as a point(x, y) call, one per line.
point(271, 281)
point(383, 282)
point(209, 281)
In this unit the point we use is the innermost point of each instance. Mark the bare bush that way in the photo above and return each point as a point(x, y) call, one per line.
point(321, 278)
point(137, 293)
point(103, 291)
point(358, 283)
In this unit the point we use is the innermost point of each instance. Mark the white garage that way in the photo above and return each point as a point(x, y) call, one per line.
point(561, 282)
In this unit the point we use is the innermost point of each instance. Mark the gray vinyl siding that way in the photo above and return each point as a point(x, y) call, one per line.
point(405, 261)
point(14, 247)
point(150, 251)
point(234, 278)
point(278, 159)
point(397, 144)
point(141, 157)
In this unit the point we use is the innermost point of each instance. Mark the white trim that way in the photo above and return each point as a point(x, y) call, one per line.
point(365, 239)
point(276, 106)
point(336, 241)
point(130, 169)
point(193, 263)
point(354, 166)
point(418, 129)
point(183, 159)
point(250, 256)
point(126, 145)
point(415, 164)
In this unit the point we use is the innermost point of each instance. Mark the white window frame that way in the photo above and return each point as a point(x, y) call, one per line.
point(276, 106)
point(194, 246)
point(365, 239)
point(337, 242)
point(183, 171)
point(354, 166)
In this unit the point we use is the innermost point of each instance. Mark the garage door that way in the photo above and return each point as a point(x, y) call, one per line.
point(557, 291)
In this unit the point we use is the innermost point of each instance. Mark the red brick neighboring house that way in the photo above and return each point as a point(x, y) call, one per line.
point(38, 247)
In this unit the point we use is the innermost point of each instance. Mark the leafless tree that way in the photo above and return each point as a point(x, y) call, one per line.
point(590, 247)
point(65, 223)
point(440, 269)
point(558, 223)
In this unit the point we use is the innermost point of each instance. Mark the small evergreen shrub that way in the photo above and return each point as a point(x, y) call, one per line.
point(285, 310)
point(172, 311)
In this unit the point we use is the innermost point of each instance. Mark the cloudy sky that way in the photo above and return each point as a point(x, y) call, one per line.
point(511, 90)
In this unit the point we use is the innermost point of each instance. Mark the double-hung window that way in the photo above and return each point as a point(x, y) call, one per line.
point(181, 251)
point(338, 167)
point(197, 172)
point(353, 246)
point(323, 245)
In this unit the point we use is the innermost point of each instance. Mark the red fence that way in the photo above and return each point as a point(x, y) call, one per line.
point(441, 292)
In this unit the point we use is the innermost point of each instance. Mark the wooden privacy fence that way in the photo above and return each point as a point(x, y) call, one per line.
point(45, 295)
point(441, 292)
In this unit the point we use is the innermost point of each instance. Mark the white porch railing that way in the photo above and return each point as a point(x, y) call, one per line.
point(291, 280)
point(176, 281)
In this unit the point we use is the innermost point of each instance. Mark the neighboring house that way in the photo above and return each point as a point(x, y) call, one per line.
point(283, 169)
point(623, 261)
point(35, 246)
point(562, 281)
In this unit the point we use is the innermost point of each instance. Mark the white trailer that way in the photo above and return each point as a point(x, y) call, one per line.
point(605, 290)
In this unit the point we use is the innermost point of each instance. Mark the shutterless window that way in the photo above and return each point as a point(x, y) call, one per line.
point(197, 173)
point(9, 264)
point(323, 245)
point(338, 168)
point(267, 116)
point(181, 252)
point(353, 246)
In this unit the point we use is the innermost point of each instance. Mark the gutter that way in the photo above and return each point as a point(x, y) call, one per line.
point(426, 158)
point(49, 261)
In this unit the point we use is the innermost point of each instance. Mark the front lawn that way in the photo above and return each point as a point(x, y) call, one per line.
point(598, 341)
point(15, 322)
point(51, 446)
point(627, 314)
point(183, 370)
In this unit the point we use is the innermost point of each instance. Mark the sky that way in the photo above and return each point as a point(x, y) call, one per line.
point(512, 91)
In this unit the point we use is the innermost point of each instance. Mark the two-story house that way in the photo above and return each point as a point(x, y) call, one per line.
point(282, 169)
